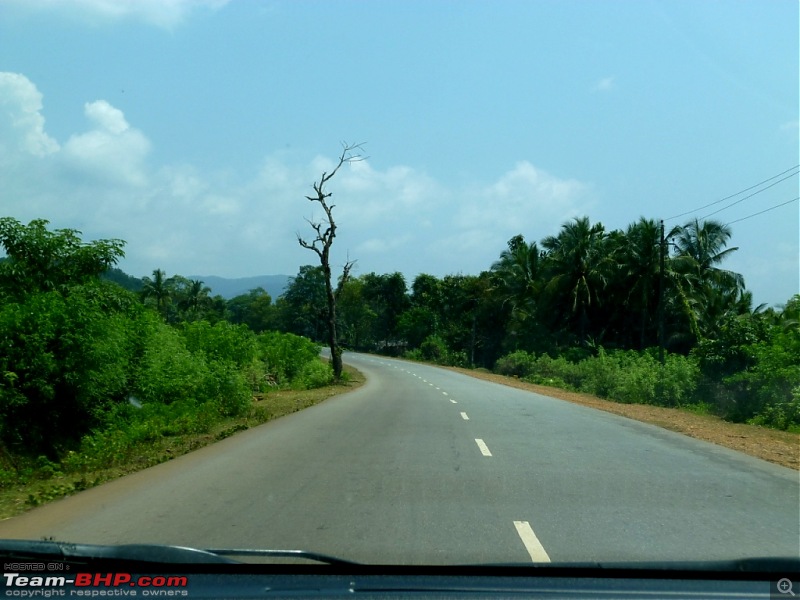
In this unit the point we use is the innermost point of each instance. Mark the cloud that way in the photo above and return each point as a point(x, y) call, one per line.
point(161, 13)
point(22, 129)
point(111, 150)
point(521, 197)
point(791, 126)
point(191, 221)
point(604, 85)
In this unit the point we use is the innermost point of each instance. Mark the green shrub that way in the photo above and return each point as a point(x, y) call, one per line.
point(516, 364)
point(556, 382)
point(167, 371)
point(781, 415)
point(599, 375)
point(434, 349)
point(227, 386)
point(679, 380)
point(285, 354)
point(221, 341)
point(623, 376)
point(313, 375)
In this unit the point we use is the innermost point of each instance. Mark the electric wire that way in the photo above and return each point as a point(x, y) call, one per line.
point(736, 194)
point(763, 211)
point(746, 197)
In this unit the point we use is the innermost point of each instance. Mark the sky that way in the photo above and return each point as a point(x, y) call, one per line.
point(193, 130)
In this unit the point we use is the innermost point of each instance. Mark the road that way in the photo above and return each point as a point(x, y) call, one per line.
point(425, 465)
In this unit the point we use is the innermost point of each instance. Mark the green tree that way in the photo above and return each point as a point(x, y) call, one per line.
point(639, 262)
point(157, 290)
point(577, 266)
point(40, 260)
point(254, 309)
point(387, 298)
point(303, 307)
point(193, 298)
point(356, 317)
point(705, 291)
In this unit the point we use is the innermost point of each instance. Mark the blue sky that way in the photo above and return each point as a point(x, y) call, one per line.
point(193, 130)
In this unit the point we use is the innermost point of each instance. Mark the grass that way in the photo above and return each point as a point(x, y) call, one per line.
point(46, 485)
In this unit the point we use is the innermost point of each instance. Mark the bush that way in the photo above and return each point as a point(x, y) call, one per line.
point(599, 375)
point(313, 375)
point(781, 415)
point(285, 355)
point(517, 364)
point(624, 376)
point(221, 341)
point(63, 358)
point(167, 371)
point(434, 349)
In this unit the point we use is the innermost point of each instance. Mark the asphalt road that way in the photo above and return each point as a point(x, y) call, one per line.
point(425, 465)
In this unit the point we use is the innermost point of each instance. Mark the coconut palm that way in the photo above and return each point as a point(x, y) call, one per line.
point(518, 276)
point(578, 265)
point(638, 260)
point(708, 291)
point(158, 289)
point(195, 296)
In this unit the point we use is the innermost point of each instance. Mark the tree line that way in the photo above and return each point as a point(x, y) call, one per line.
point(90, 357)
point(89, 369)
point(579, 295)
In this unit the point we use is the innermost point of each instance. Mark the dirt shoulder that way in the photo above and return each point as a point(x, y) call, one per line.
point(780, 447)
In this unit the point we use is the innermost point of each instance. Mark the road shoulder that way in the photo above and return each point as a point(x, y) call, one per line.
point(779, 447)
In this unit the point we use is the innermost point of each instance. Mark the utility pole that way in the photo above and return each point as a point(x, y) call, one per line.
point(661, 248)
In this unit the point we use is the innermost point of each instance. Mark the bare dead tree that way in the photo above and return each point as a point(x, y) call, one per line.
point(325, 231)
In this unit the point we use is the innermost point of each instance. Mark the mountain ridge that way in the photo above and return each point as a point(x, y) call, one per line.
point(229, 288)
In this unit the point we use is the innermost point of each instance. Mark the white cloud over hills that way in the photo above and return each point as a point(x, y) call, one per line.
point(184, 220)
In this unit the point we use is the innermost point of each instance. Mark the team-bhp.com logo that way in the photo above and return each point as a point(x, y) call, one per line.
point(94, 585)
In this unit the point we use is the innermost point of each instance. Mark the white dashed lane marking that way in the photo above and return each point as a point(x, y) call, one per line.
point(483, 447)
point(531, 542)
point(464, 416)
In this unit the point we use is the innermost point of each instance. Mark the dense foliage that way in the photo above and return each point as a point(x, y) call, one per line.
point(582, 309)
point(88, 368)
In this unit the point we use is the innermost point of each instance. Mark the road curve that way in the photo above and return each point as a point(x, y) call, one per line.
point(423, 465)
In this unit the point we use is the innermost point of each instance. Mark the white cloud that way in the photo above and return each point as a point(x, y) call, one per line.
point(184, 220)
point(161, 13)
point(112, 150)
point(604, 85)
point(791, 126)
point(22, 129)
point(520, 199)
point(106, 117)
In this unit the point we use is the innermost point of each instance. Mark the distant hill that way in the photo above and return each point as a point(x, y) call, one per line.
point(229, 288)
point(130, 283)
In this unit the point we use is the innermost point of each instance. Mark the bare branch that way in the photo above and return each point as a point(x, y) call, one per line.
point(321, 245)
point(348, 266)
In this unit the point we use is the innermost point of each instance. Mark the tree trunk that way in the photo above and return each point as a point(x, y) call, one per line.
point(333, 340)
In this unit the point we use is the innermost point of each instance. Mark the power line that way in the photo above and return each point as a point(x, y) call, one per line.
point(750, 196)
point(736, 194)
point(765, 210)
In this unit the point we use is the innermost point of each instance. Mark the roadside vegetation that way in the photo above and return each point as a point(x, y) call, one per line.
point(96, 379)
point(581, 310)
point(102, 373)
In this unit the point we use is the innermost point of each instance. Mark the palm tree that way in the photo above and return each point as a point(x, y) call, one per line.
point(704, 246)
point(195, 296)
point(518, 276)
point(158, 288)
point(578, 265)
point(638, 260)
point(707, 292)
